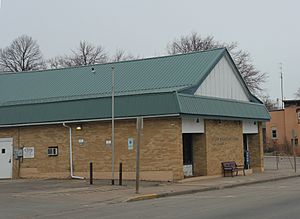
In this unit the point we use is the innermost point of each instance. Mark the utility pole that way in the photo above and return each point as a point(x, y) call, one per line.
point(294, 137)
point(113, 125)
point(139, 126)
point(281, 84)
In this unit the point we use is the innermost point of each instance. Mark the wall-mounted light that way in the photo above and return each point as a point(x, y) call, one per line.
point(79, 127)
point(197, 120)
point(81, 141)
point(93, 70)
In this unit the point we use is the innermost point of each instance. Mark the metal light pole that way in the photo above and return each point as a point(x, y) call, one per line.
point(281, 85)
point(113, 125)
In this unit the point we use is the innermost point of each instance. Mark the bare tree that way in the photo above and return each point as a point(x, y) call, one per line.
point(269, 103)
point(88, 54)
point(22, 55)
point(57, 62)
point(297, 94)
point(194, 42)
point(85, 54)
point(121, 55)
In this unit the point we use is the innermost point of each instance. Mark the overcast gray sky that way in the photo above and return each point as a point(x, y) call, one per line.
point(268, 29)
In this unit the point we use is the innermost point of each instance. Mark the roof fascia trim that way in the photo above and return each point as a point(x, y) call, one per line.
point(223, 117)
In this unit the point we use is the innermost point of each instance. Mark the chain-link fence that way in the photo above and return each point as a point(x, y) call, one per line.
point(282, 162)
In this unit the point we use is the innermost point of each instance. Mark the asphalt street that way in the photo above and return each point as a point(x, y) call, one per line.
point(278, 199)
point(269, 200)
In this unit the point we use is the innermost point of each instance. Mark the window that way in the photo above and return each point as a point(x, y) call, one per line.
point(52, 151)
point(298, 115)
point(296, 141)
point(274, 133)
point(3, 150)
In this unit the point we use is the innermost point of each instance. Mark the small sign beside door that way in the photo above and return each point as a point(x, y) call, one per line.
point(28, 152)
point(130, 143)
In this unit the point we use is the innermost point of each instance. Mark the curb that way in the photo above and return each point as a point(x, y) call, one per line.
point(192, 191)
point(143, 197)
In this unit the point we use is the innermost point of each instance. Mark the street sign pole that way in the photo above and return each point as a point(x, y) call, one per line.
point(139, 126)
point(113, 125)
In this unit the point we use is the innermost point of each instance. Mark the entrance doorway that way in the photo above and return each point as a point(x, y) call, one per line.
point(6, 158)
point(246, 152)
point(187, 154)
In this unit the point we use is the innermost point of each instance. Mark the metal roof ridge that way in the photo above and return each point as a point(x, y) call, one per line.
point(110, 63)
point(32, 102)
point(88, 96)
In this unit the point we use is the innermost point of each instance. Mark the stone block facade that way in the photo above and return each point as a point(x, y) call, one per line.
point(161, 149)
point(199, 155)
point(224, 142)
point(255, 142)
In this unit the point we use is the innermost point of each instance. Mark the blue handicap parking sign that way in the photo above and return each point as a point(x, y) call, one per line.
point(130, 144)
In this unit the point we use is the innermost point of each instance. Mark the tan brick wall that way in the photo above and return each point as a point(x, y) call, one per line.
point(224, 142)
point(199, 155)
point(255, 144)
point(40, 137)
point(161, 149)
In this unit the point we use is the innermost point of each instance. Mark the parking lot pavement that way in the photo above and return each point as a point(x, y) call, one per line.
point(100, 191)
point(30, 198)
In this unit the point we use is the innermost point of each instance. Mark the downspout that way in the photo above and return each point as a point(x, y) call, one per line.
point(71, 154)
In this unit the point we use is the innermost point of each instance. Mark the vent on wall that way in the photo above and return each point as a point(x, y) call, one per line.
point(52, 151)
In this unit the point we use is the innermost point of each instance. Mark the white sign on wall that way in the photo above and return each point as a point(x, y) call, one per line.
point(28, 152)
point(130, 143)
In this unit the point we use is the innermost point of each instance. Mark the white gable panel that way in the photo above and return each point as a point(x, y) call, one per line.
point(250, 127)
point(222, 82)
point(192, 125)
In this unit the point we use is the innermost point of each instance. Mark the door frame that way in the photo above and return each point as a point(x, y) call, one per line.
point(10, 140)
point(188, 136)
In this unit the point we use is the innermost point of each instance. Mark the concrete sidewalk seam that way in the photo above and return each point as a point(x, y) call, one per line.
point(192, 191)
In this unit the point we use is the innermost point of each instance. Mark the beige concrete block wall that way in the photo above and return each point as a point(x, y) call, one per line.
point(255, 144)
point(161, 149)
point(40, 137)
point(224, 142)
point(199, 155)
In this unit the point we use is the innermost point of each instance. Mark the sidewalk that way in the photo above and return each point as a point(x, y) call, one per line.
point(81, 192)
point(201, 184)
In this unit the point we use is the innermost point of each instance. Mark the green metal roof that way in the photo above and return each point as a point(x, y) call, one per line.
point(90, 109)
point(153, 75)
point(147, 87)
point(131, 106)
point(221, 108)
